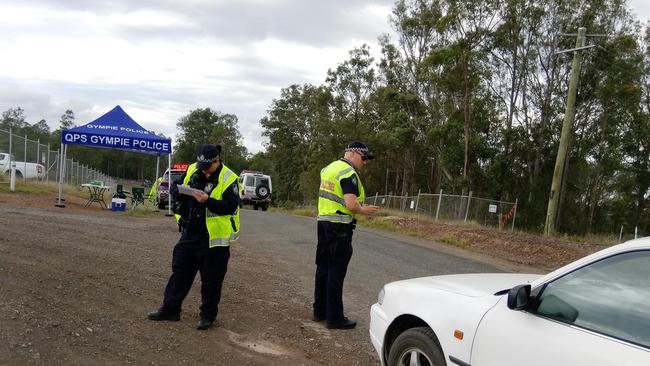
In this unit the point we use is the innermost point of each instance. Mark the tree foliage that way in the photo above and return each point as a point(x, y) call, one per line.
point(470, 96)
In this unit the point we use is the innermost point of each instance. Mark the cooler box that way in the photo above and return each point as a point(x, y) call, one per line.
point(118, 204)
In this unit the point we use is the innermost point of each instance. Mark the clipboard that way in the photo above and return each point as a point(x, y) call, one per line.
point(187, 190)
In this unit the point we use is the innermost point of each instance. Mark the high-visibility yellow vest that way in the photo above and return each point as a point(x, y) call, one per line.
point(222, 229)
point(153, 192)
point(331, 204)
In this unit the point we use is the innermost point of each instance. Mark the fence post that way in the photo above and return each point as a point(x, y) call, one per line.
point(438, 208)
point(514, 215)
point(12, 168)
point(374, 204)
point(58, 165)
point(469, 199)
point(25, 162)
point(417, 201)
point(38, 156)
point(47, 168)
point(620, 235)
point(390, 194)
point(636, 232)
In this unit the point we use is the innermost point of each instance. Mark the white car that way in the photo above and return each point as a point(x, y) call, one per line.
point(594, 311)
point(23, 170)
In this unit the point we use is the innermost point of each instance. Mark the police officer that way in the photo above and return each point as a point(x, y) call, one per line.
point(340, 198)
point(210, 222)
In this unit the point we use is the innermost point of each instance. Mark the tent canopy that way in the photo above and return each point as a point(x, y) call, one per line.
point(117, 130)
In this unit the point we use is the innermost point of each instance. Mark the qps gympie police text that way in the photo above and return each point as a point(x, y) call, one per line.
point(118, 141)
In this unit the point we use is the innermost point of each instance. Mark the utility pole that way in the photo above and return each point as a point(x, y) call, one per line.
point(565, 137)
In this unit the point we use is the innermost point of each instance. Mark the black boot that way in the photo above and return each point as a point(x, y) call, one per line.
point(204, 324)
point(160, 314)
point(343, 324)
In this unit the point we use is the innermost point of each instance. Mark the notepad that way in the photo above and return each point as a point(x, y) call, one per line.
point(187, 190)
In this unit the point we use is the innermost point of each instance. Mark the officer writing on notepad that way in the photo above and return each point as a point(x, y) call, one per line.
point(209, 220)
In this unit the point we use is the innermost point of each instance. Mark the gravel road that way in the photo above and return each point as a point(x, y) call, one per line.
point(76, 284)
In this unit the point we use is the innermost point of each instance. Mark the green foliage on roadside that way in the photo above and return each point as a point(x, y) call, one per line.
point(470, 96)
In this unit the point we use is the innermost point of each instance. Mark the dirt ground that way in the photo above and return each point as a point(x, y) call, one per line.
point(74, 294)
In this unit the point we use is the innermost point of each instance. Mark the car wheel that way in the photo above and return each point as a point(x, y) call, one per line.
point(416, 346)
point(19, 175)
point(161, 205)
point(262, 192)
point(265, 207)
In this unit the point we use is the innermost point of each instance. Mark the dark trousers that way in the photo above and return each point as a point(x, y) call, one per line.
point(333, 254)
point(192, 254)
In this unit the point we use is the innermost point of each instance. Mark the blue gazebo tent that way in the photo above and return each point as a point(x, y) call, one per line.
point(114, 130)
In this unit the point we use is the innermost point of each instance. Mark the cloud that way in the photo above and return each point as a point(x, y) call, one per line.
point(160, 59)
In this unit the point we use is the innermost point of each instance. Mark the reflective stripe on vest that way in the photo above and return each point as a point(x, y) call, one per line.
point(341, 219)
point(330, 196)
point(344, 172)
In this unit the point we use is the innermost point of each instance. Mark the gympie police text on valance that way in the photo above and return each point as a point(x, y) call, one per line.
point(117, 130)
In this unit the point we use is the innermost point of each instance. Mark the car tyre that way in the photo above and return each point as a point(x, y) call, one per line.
point(265, 207)
point(255, 207)
point(262, 192)
point(416, 342)
point(161, 205)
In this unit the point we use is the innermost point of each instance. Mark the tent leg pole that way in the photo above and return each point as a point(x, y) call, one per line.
point(169, 196)
point(155, 183)
point(157, 168)
point(61, 161)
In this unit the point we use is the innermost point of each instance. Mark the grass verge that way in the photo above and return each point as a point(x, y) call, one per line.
point(36, 188)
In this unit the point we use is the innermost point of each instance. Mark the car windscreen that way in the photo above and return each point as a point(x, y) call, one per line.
point(177, 175)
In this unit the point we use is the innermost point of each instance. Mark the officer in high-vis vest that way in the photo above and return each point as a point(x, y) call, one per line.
point(340, 199)
point(209, 219)
point(153, 192)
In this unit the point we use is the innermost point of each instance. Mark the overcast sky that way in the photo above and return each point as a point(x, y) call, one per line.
point(160, 59)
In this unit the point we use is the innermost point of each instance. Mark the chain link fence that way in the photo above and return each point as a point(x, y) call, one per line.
point(39, 162)
point(449, 207)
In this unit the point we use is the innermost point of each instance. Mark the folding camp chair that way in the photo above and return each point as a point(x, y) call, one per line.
point(137, 196)
point(119, 192)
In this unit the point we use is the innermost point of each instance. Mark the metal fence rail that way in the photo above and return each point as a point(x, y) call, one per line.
point(449, 207)
point(24, 151)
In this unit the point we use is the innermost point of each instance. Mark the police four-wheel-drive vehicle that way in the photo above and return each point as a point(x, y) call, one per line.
point(256, 189)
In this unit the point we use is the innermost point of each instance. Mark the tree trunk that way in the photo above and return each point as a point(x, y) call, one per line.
point(467, 117)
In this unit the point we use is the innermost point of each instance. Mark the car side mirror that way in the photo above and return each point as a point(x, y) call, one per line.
point(519, 297)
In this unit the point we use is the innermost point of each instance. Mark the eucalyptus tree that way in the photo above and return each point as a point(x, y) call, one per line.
point(205, 126)
point(14, 119)
point(298, 125)
point(420, 27)
point(512, 59)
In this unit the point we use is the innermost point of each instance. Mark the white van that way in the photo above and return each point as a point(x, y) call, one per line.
point(256, 189)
